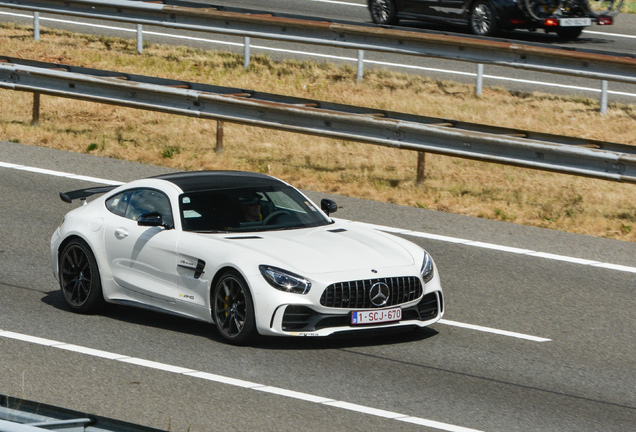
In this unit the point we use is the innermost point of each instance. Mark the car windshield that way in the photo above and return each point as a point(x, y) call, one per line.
point(248, 209)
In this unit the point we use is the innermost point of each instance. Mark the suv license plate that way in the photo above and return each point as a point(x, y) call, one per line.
point(376, 316)
point(575, 22)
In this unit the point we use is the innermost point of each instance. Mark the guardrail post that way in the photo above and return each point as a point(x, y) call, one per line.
point(36, 109)
point(36, 26)
point(246, 52)
point(480, 79)
point(360, 65)
point(219, 137)
point(421, 165)
point(604, 87)
point(140, 38)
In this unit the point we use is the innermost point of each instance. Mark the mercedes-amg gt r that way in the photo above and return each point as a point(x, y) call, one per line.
point(244, 251)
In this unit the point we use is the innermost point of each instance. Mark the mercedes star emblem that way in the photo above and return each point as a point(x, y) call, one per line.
point(379, 294)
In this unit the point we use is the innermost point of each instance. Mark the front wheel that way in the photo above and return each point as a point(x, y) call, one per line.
point(483, 21)
point(383, 12)
point(79, 278)
point(233, 309)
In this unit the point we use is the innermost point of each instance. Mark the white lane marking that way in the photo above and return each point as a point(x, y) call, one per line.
point(350, 59)
point(155, 365)
point(495, 331)
point(501, 248)
point(59, 174)
point(91, 352)
point(340, 3)
point(609, 34)
point(237, 382)
point(365, 410)
point(223, 379)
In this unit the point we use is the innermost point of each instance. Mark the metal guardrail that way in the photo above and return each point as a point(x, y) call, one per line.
point(536, 57)
point(597, 159)
point(19, 415)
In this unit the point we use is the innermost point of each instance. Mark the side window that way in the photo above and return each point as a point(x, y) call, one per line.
point(144, 201)
point(119, 203)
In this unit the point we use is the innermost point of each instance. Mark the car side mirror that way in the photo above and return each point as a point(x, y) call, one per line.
point(328, 206)
point(152, 219)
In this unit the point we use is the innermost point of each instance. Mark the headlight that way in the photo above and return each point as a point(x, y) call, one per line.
point(285, 281)
point(427, 271)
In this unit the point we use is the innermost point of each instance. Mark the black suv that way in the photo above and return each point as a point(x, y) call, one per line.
point(566, 18)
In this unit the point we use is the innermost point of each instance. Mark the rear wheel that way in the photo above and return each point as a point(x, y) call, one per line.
point(79, 278)
point(383, 12)
point(483, 21)
point(233, 309)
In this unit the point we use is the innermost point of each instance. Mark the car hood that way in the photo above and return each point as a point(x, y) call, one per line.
point(326, 249)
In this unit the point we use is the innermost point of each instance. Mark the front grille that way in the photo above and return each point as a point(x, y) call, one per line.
point(355, 294)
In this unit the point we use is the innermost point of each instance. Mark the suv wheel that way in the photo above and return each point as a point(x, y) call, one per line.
point(483, 21)
point(383, 12)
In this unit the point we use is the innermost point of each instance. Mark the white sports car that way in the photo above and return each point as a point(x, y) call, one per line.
point(244, 251)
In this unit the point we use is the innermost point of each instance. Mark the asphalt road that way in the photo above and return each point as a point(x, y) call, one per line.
point(620, 37)
point(581, 379)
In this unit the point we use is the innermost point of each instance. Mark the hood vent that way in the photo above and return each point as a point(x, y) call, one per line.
point(244, 238)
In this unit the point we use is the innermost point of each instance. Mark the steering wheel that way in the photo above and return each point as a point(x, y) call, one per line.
point(275, 215)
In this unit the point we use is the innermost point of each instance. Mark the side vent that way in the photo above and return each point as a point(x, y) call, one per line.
point(244, 238)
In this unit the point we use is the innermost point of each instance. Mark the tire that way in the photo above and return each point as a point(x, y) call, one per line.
point(483, 20)
point(383, 12)
point(80, 281)
point(569, 33)
point(233, 309)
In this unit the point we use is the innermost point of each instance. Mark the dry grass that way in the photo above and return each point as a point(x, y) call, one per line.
point(568, 203)
point(629, 6)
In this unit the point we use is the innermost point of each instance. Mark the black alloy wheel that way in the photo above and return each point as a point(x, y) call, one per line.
point(79, 278)
point(383, 12)
point(233, 309)
point(483, 20)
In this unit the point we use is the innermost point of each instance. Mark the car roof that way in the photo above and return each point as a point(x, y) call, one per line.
point(193, 181)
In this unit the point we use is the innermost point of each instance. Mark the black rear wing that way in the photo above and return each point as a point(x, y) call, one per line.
point(83, 193)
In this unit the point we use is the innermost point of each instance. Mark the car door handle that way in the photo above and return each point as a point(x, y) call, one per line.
point(121, 233)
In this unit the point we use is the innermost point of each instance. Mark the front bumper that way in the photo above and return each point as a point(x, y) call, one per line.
point(302, 320)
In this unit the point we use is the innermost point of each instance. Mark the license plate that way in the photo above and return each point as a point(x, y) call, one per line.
point(575, 22)
point(376, 316)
